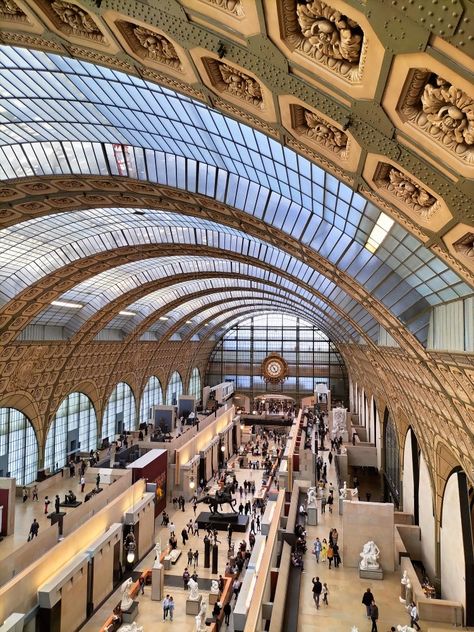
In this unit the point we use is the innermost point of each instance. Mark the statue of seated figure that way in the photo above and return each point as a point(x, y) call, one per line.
point(370, 555)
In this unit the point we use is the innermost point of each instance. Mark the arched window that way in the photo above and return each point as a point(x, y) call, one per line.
point(152, 396)
point(18, 447)
point(119, 414)
point(195, 384)
point(392, 461)
point(174, 390)
point(74, 429)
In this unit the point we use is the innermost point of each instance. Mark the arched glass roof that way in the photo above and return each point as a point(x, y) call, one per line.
point(61, 115)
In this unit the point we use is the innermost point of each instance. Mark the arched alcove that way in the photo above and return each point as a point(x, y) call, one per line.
point(119, 414)
point(426, 518)
point(18, 446)
point(195, 385)
point(152, 396)
point(73, 429)
point(411, 475)
point(174, 389)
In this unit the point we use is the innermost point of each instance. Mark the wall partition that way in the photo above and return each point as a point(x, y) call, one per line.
point(392, 461)
point(120, 412)
point(74, 429)
point(152, 396)
point(311, 357)
point(18, 447)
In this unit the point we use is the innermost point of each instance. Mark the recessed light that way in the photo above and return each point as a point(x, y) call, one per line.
point(188, 322)
point(67, 304)
point(125, 313)
point(163, 318)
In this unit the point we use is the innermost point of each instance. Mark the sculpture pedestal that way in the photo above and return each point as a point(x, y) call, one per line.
point(370, 573)
point(157, 582)
point(128, 616)
point(193, 606)
point(312, 519)
point(213, 598)
point(403, 593)
point(341, 505)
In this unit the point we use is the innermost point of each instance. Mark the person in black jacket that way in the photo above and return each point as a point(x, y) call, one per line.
point(374, 615)
point(227, 611)
point(317, 589)
point(367, 600)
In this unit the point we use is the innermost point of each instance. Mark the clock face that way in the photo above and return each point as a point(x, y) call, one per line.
point(274, 369)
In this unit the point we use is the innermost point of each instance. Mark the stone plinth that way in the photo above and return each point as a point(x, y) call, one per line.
point(312, 519)
point(371, 573)
point(157, 582)
point(213, 598)
point(128, 616)
point(193, 606)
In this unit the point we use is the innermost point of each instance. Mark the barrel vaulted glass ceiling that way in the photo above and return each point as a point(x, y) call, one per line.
point(63, 116)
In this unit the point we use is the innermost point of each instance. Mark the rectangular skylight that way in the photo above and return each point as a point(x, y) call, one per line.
point(379, 232)
point(66, 304)
point(125, 313)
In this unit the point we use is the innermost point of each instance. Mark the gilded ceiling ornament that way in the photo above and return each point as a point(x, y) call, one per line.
point(323, 133)
point(240, 85)
point(441, 110)
point(406, 190)
point(232, 6)
point(77, 21)
point(157, 47)
point(11, 11)
point(465, 245)
point(330, 37)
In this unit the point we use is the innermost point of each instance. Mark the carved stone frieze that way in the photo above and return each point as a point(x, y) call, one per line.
point(319, 131)
point(11, 12)
point(150, 45)
point(465, 245)
point(325, 35)
point(72, 19)
point(406, 190)
point(232, 81)
point(231, 6)
point(442, 111)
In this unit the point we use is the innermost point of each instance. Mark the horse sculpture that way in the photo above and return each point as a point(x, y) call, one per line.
point(221, 497)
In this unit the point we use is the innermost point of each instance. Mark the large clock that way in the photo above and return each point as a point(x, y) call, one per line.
point(274, 369)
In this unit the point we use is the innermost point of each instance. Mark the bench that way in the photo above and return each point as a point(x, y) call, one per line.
point(171, 558)
point(75, 504)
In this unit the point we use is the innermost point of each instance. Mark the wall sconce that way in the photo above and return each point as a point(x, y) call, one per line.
point(192, 484)
point(222, 448)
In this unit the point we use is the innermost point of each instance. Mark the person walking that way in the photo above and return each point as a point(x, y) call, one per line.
point(324, 550)
point(227, 611)
point(330, 501)
point(171, 607)
point(317, 549)
point(196, 528)
point(190, 557)
point(367, 599)
point(196, 558)
point(186, 578)
point(171, 528)
point(317, 589)
point(33, 530)
point(47, 502)
point(185, 536)
point(97, 481)
point(34, 492)
point(374, 615)
point(337, 556)
point(325, 594)
point(83, 483)
point(166, 601)
point(25, 494)
point(330, 555)
point(414, 616)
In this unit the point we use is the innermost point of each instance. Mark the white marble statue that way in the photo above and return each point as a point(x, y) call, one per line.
point(354, 629)
point(403, 587)
point(200, 619)
point(214, 587)
point(370, 555)
point(343, 491)
point(131, 627)
point(127, 601)
point(194, 589)
point(404, 580)
point(311, 496)
point(355, 492)
point(405, 628)
point(158, 553)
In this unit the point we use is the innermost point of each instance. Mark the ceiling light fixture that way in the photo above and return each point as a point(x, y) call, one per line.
point(163, 318)
point(125, 313)
point(67, 304)
point(379, 232)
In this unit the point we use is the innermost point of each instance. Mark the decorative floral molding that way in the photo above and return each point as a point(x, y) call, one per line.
point(11, 12)
point(442, 111)
point(72, 20)
point(318, 130)
point(406, 190)
point(234, 82)
point(231, 6)
point(326, 36)
point(465, 245)
point(150, 45)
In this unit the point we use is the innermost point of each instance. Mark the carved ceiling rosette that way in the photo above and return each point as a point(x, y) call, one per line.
point(231, 6)
point(72, 19)
point(325, 35)
point(309, 125)
point(465, 245)
point(234, 82)
point(11, 12)
point(406, 191)
point(442, 111)
point(150, 45)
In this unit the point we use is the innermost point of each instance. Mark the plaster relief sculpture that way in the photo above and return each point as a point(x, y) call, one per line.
point(314, 127)
point(156, 47)
point(330, 37)
point(241, 85)
point(11, 12)
point(311, 497)
point(465, 245)
point(370, 555)
point(406, 190)
point(443, 111)
point(76, 20)
point(232, 6)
